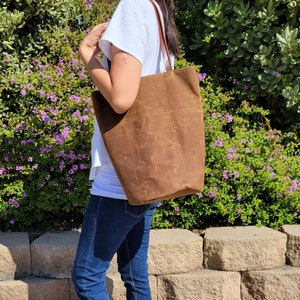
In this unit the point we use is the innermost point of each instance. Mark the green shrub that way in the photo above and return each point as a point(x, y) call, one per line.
point(46, 114)
point(45, 129)
point(250, 47)
point(252, 171)
point(45, 144)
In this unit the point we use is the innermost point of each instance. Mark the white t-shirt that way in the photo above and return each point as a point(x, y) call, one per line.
point(133, 28)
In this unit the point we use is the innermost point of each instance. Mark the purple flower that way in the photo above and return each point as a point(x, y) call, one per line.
point(276, 73)
point(58, 71)
point(219, 142)
point(45, 117)
point(236, 174)
point(83, 166)
point(294, 186)
point(82, 75)
point(211, 195)
point(69, 180)
point(72, 155)
point(245, 87)
point(238, 212)
point(62, 165)
point(52, 96)
point(232, 150)
point(228, 118)
point(84, 118)
point(74, 167)
point(225, 174)
point(75, 113)
point(45, 149)
point(74, 98)
point(238, 197)
point(58, 137)
point(229, 156)
point(3, 171)
point(202, 76)
point(66, 132)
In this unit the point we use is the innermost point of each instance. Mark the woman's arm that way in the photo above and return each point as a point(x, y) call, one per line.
point(120, 85)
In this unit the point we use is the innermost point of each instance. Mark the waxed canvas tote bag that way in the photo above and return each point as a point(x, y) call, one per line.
point(157, 147)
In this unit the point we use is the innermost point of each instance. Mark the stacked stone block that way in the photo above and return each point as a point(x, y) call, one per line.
point(228, 263)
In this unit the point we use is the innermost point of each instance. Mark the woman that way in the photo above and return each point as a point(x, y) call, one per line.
point(130, 42)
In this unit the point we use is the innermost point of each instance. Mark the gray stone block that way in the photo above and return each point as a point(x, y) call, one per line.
point(174, 251)
point(293, 244)
point(15, 260)
point(200, 285)
point(276, 284)
point(53, 254)
point(244, 248)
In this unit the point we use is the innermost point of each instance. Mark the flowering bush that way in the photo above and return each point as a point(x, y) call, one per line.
point(46, 115)
point(252, 171)
point(45, 144)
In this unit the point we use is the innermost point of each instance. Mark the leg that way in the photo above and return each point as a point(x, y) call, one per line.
point(104, 228)
point(132, 257)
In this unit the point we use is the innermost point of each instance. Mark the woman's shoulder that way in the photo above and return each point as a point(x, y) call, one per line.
point(136, 5)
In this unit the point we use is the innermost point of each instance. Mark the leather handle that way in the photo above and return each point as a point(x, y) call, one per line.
point(162, 38)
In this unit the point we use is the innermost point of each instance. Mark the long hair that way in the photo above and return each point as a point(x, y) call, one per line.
point(172, 35)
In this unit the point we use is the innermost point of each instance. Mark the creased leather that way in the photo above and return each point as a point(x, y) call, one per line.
point(158, 146)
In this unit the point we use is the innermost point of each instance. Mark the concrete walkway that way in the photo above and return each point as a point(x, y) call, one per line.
point(227, 263)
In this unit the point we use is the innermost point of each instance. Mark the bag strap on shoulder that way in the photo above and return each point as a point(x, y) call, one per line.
point(162, 38)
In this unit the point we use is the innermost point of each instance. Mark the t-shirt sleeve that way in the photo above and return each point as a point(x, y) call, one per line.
point(127, 30)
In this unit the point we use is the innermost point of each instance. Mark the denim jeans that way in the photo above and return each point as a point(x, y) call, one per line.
point(113, 226)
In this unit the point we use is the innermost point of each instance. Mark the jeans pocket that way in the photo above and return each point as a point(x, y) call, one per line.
point(136, 211)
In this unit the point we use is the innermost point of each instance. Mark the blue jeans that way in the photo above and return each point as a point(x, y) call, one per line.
point(113, 226)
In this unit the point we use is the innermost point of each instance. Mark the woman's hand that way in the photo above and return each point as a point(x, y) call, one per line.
point(120, 84)
point(90, 42)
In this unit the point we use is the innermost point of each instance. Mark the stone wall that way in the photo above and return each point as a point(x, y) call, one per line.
point(226, 263)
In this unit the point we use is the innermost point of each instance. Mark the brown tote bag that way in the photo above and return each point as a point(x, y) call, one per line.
point(157, 147)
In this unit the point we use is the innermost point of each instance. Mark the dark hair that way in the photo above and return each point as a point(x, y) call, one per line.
point(172, 35)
